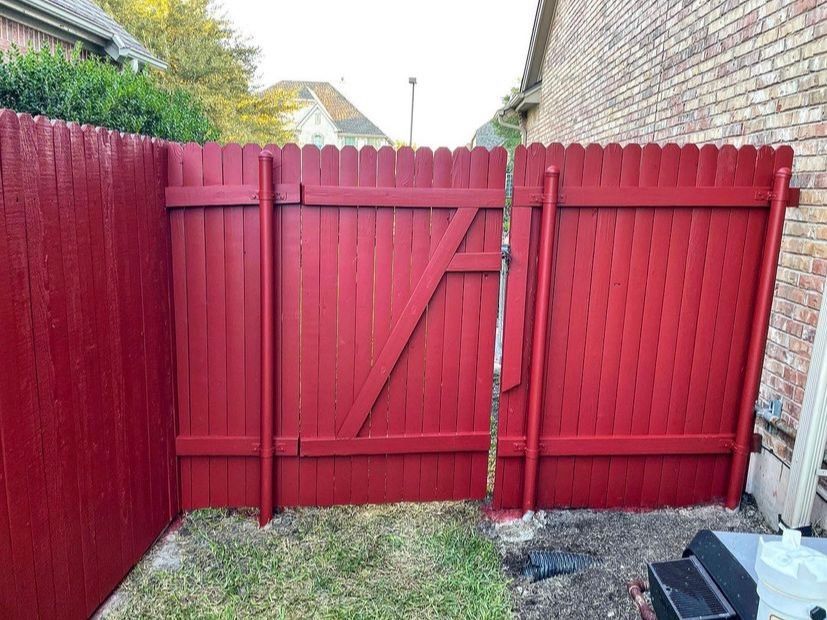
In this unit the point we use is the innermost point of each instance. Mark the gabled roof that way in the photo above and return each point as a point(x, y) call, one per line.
point(82, 20)
point(487, 136)
point(533, 71)
point(347, 118)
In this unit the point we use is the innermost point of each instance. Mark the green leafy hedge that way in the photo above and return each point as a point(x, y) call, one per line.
point(99, 93)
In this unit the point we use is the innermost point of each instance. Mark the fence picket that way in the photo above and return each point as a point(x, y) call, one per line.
point(328, 293)
point(639, 273)
point(289, 248)
point(347, 317)
point(401, 287)
point(214, 236)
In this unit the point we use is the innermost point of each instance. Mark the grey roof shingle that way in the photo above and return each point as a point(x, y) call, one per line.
point(487, 136)
point(92, 13)
point(345, 115)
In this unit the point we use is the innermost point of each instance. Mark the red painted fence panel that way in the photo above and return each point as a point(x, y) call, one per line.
point(654, 277)
point(87, 464)
point(117, 311)
point(386, 293)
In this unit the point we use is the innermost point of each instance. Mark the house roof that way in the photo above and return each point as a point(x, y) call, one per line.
point(487, 136)
point(347, 118)
point(533, 70)
point(82, 20)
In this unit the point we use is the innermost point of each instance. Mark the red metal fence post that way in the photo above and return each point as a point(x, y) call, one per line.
point(758, 335)
point(538, 351)
point(265, 203)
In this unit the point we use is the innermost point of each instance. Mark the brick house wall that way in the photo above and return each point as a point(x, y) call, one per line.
point(721, 71)
point(25, 37)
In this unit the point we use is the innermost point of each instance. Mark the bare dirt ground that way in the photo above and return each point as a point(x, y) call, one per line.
point(624, 542)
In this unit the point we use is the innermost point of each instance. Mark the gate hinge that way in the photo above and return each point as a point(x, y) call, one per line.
point(278, 448)
point(518, 446)
point(767, 195)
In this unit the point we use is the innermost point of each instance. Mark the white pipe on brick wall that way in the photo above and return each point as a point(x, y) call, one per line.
point(808, 452)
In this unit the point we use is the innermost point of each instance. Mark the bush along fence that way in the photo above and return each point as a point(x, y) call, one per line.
point(190, 326)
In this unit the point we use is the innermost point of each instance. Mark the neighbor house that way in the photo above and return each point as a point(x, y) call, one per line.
point(62, 24)
point(325, 116)
point(722, 71)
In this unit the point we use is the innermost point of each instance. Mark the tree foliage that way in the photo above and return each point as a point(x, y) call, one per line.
point(99, 93)
point(511, 137)
point(212, 61)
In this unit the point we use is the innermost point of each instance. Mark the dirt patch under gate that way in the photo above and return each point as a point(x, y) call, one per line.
point(623, 541)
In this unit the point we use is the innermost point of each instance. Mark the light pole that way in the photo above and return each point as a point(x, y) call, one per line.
point(412, 82)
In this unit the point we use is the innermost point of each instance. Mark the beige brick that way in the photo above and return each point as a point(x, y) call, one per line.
point(742, 71)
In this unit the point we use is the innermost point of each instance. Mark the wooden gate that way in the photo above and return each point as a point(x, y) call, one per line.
point(661, 273)
point(382, 268)
point(386, 268)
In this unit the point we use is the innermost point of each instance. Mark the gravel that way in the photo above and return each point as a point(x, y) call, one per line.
point(624, 542)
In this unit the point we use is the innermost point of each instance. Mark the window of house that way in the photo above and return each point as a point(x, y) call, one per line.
point(318, 139)
point(350, 141)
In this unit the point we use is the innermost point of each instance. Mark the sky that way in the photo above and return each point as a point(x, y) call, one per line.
point(465, 54)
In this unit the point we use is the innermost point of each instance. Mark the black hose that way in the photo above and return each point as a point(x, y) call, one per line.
point(545, 564)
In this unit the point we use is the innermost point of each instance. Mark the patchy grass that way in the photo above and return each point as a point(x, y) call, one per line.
point(423, 561)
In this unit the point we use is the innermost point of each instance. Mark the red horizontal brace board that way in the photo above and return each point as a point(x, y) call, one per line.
point(232, 446)
point(724, 197)
point(613, 445)
point(422, 197)
point(475, 261)
point(227, 195)
point(396, 444)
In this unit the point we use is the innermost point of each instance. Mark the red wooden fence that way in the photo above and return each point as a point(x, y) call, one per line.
point(87, 468)
point(655, 269)
point(386, 269)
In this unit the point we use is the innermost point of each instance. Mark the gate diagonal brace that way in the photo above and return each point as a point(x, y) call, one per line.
point(404, 327)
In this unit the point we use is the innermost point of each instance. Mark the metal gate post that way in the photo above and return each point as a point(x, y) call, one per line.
point(265, 205)
point(758, 335)
point(538, 350)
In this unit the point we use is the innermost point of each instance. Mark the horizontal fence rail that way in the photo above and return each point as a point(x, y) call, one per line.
point(667, 197)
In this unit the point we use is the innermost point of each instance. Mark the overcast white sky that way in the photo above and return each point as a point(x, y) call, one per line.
point(465, 54)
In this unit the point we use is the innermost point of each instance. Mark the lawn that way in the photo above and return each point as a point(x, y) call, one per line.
point(423, 561)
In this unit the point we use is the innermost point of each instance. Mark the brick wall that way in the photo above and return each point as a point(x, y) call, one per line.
point(718, 71)
point(25, 37)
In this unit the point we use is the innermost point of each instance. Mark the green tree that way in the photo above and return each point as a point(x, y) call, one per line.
point(210, 59)
point(99, 93)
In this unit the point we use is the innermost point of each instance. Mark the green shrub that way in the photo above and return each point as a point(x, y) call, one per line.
point(99, 93)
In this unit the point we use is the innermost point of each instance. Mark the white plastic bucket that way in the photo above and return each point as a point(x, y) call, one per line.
point(792, 579)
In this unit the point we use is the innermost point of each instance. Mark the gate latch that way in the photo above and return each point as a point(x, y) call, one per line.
point(505, 252)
